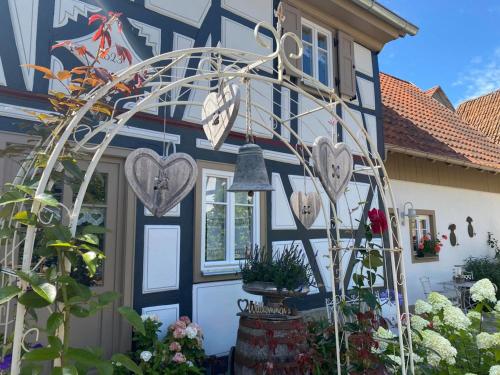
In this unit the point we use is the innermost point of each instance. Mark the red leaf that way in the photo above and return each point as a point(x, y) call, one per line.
point(64, 43)
point(108, 38)
point(120, 27)
point(98, 33)
point(103, 74)
point(101, 44)
point(81, 50)
point(96, 17)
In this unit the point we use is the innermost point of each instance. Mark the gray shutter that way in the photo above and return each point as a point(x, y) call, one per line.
point(292, 24)
point(347, 78)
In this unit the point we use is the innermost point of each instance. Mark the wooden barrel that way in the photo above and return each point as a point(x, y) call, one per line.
point(266, 346)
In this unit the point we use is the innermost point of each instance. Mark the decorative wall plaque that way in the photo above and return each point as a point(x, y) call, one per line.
point(160, 183)
point(306, 207)
point(453, 236)
point(470, 228)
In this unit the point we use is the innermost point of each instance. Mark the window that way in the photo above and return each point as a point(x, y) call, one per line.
point(423, 236)
point(317, 56)
point(229, 223)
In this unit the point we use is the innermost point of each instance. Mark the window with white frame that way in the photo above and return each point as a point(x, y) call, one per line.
point(229, 223)
point(317, 56)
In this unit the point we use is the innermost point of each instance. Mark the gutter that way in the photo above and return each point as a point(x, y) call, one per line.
point(444, 159)
point(378, 10)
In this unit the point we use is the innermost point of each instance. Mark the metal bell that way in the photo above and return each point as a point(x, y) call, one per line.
point(250, 174)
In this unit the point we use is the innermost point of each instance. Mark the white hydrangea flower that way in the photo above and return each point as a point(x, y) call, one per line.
point(417, 358)
point(436, 321)
point(495, 370)
point(146, 355)
point(191, 332)
point(497, 307)
point(418, 323)
point(422, 307)
point(470, 373)
point(438, 301)
point(153, 317)
point(455, 318)
point(439, 348)
point(395, 358)
point(474, 315)
point(483, 290)
point(384, 334)
point(487, 341)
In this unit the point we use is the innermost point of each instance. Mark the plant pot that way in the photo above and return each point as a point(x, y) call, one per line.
point(420, 254)
point(275, 296)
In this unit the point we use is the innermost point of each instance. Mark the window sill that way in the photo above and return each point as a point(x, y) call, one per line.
point(220, 271)
point(428, 259)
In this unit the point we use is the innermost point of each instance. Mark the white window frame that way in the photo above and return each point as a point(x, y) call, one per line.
point(315, 29)
point(230, 265)
point(420, 231)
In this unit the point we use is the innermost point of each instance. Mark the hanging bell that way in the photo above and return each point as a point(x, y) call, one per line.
point(250, 174)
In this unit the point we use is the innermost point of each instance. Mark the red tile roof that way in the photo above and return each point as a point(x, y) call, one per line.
point(415, 121)
point(483, 114)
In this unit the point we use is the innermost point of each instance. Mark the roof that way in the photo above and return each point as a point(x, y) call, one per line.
point(483, 114)
point(438, 93)
point(415, 122)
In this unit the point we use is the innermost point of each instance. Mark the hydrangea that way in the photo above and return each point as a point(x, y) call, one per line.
point(474, 315)
point(470, 373)
point(483, 290)
point(179, 358)
point(418, 323)
point(191, 332)
point(417, 358)
point(152, 317)
point(439, 348)
point(146, 355)
point(455, 318)
point(495, 370)
point(497, 307)
point(487, 341)
point(383, 334)
point(395, 358)
point(438, 301)
point(422, 307)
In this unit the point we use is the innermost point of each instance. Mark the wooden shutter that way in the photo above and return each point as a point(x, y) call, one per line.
point(347, 78)
point(292, 24)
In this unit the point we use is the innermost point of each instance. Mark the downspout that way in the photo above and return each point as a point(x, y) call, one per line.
point(390, 17)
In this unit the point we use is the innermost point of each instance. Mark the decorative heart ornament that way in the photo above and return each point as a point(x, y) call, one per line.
point(219, 113)
point(333, 163)
point(160, 183)
point(306, 206)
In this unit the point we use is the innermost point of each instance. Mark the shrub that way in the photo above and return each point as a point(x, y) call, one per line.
point(485, 268)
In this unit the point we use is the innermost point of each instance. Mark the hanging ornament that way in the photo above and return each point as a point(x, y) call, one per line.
point(219, 113)
point(470, 228)
point(306, 207)
point(160, 182)
point(333, 163)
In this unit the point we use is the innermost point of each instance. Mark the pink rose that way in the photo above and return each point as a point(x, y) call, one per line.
point(185, 319)
point(180, 324)
point(421, 246)
point(179, 358)
point(175, 347)
point(179, 333)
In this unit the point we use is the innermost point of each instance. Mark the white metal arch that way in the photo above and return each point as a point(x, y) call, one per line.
point(227, 65)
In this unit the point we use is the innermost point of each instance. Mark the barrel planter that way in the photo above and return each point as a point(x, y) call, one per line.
point(266, 346)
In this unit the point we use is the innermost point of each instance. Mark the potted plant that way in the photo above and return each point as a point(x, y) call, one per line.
point(276, 275)
point(427, 245)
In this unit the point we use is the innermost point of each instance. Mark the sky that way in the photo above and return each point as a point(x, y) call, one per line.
point(457, 46)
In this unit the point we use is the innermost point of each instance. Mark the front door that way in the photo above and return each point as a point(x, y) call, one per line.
point(104, 205)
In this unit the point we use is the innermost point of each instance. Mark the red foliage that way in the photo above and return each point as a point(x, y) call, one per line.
point(124, 53)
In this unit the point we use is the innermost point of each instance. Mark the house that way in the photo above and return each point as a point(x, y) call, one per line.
point(483, 114)
point(444, 169)
point(169, 266)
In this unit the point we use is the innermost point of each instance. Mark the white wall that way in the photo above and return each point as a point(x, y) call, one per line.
point(452, 206)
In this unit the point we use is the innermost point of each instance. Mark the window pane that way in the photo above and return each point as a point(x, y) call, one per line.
point(243, 198)
point(323, 67)
point(307, 60)
point(307, 34)
point(215, 189)
point(322, 41)
point(243, 230)
point(215, 232)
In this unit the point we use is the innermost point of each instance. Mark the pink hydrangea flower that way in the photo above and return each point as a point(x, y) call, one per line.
point(180, 324)
point(185, 319)
point(179, 358)
point(175, 347)
point(179, 333)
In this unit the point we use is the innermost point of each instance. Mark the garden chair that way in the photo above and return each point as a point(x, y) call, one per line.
point(451, 293)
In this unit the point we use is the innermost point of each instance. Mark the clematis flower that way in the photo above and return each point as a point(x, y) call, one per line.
point(378, 221)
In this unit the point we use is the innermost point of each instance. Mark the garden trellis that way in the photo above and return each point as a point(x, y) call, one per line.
point(206, 69)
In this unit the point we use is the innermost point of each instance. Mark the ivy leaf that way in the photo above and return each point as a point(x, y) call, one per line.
point(8, 292)
point(41, 354)
point(127, 363)
point(54, 321)
point(46, 290)
point(46, 200)
point(133, 318)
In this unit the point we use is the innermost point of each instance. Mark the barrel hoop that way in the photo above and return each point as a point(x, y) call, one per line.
point(261, 340)
point(294, 325)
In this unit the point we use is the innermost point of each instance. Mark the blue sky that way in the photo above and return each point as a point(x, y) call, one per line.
point(457, 46)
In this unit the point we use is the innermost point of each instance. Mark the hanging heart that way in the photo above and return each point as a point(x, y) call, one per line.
point(333, 163)
point(306, 207)
point(219, 113)
point(160, 183)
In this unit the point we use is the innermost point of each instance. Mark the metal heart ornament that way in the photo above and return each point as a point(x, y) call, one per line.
point(160, 183)
point(333, 163)
point(219, 113)
point(306, 207)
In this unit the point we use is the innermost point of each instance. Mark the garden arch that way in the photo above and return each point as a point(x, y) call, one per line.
point(208, 67)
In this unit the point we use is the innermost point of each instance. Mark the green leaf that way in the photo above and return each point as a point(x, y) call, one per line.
point(79, 311)
point(107, 297)
point(12, 197)
point(358, 279)
point(105, 368)
point(71, 370)
point(72, 168)
point(55, 342)
point(90, 260)
point(8, 292)
point(89, 238)
point(94, 229)
point(127, 363)
point(41, 354)
point(47, 291)
point(33, 300)
point(373, 260)
point(54, 321)
point(84, 356)
point(372, 276)
point(46, 200)
point(30, 190)
point(6, 233)
point(31, 369)
point(133, 318)
point(25, 217)
point(58, 243)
